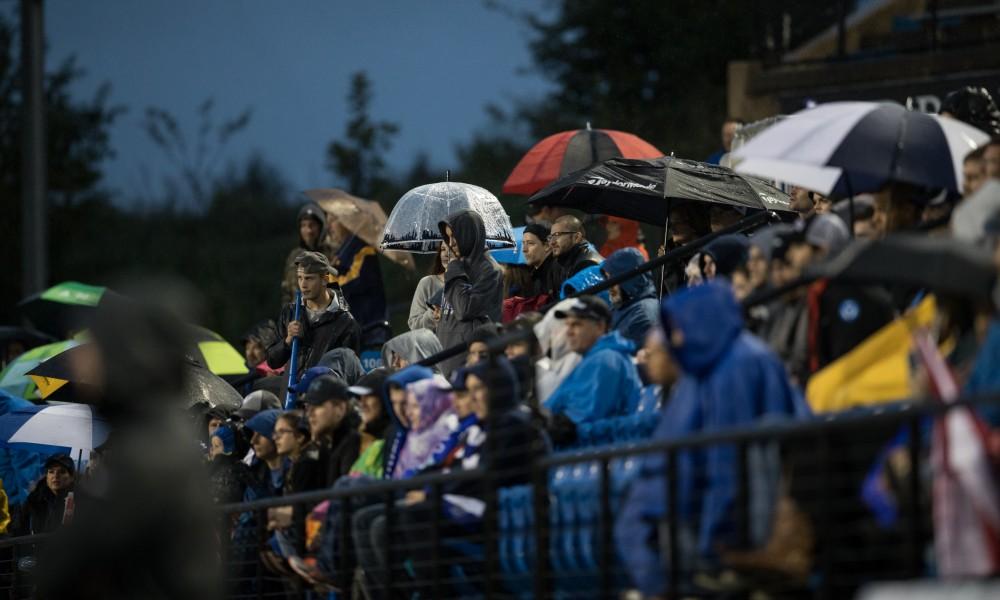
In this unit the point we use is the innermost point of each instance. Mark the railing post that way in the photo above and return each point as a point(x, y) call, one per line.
point(542, 520)
point(390, 504)
point(743, 515)
point(436, 508)
point(346, 511)
point(673, 557)
point(824, 510)
point(490, 535)
point(607, 541)
point(261, 543)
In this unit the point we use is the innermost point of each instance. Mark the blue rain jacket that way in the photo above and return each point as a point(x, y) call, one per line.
point(584, 279)
point(639, 309)
point(602, 385)
point(730, 379)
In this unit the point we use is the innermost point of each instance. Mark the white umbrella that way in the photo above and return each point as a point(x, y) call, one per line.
point(72, 426)
point(845, 148)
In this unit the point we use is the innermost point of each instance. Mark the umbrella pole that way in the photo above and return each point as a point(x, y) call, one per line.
point(850, 203)
point(666, 223)
point(293, 362)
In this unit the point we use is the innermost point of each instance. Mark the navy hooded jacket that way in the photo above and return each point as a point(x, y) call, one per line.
point(730, 379)
point(639, 308)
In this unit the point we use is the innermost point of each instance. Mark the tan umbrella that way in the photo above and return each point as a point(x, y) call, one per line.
point(364, 218)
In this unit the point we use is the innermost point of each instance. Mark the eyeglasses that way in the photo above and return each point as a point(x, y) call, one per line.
point(559, 233)
point(280, 432)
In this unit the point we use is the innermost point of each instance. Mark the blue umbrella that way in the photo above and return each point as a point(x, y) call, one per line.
point(511, 256)
point(70, 428)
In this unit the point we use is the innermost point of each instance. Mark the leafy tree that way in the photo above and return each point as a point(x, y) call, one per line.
point(77, 142)
point(359, 160)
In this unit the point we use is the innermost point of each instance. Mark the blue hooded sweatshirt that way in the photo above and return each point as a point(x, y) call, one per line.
point(639, 309)
point(602, 385)
point(584, 279)
point(395, 441)
point(730, 379)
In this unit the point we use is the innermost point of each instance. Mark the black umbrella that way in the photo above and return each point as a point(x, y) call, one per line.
point(64, 307)
point(938, 264)
point(200, 384)
point(646, 190)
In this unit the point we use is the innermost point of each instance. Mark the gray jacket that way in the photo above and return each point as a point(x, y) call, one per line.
point(421, 314)
point(473, 287)
point(412, 346)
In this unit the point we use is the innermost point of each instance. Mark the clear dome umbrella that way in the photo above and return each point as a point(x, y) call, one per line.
point(413, 224)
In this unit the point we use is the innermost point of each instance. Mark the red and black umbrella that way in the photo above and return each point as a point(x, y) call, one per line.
point(569, 151)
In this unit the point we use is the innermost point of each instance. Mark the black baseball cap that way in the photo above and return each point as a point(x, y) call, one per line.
point(586, 307)
point(326, 387)
point(62, 460)
point(370, 383)
point(314, 263)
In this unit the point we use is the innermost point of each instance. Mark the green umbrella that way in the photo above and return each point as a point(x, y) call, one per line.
point(14, 379)
point(213, 352)
point(60, 309)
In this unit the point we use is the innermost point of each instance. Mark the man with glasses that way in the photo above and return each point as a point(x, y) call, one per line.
point(570, 247)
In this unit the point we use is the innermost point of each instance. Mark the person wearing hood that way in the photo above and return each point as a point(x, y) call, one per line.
point(636, 309)
point(557, 360)
point(473, 285)
point(228, 476)
point(325, 324)
point(312, 227)
point(605, 381)
point(572, 251)
point(410, 348)
point(729, 378)
point(344, 363)
point(360, 277)
point(334, 425)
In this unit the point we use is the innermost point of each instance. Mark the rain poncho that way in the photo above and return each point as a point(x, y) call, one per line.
point(412, 346)
point(586, 278)
point(602, 385)
point(639, 308)
point(473, 286)
point(557, 360)
point(730, 378)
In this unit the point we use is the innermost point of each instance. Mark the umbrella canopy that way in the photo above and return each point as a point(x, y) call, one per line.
point(363, 218)
point(74, 427)
point(511, 256)
point(15, 380)
point(845, 148)
point(214, 352)
point(978, 216)
point(413, 224)
point(569, 151)
point(938, 264)
point(634, 189)
point(61, 308)
point(200, 384)
point(29, 337)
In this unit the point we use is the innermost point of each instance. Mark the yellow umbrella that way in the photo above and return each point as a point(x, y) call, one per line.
point(364, 218)
point(877, 371)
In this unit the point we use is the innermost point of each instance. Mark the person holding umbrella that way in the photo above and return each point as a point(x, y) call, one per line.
point(45, 509)
point(473, 284)
point(328, 324)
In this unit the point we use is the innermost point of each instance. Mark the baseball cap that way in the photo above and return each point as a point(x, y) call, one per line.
point(264, 422)
point(256, 401)
point(307, 378)
point(326, 387)
point(370, 383)
point(62, 460)
point(314, 263)
point(586, 307)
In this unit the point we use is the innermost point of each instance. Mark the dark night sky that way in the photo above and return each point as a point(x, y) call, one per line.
point(434, 63)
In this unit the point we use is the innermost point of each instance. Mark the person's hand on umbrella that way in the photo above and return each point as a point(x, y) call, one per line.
point(279, 517)
point(294, 331)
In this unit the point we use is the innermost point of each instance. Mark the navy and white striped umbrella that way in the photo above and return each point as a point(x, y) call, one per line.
point(70, 427)
point(845, 148)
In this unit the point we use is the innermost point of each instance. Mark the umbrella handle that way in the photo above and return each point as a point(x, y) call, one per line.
point(293, 362)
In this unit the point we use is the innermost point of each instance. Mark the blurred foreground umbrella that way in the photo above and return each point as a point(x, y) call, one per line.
point(511, 256)
point(61, 308)
point(15, 380)
point(634, 189)
point(845, 148)
point(413, 224)
point(74, 427)
point(942, 265)
point(212, 351)
point(977, 217)
point(200, 384)
point(363, 218)
point(569, 151)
